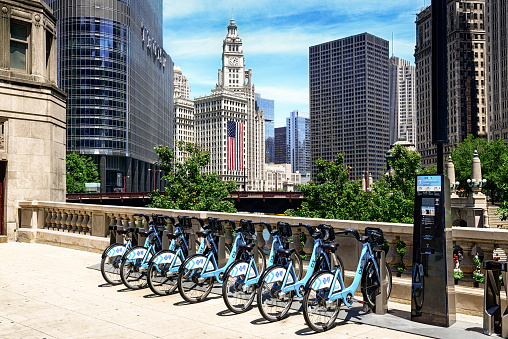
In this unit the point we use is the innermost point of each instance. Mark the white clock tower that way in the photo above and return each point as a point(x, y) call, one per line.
point(232, 73)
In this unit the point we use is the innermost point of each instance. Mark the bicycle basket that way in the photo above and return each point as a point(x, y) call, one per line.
point(185, 223)
point(284, 230)
point(327, 232)
point(375, 235)
point(248, 227)
point(215, 225)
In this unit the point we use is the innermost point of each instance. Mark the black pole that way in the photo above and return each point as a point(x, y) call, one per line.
point(439, 79)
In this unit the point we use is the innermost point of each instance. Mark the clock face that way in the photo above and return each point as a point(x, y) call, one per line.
point(234, 61)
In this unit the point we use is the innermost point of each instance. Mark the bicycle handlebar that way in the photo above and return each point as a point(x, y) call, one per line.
point(267, 225)
point(348, 231)
point(172, 219)
point(146, 216)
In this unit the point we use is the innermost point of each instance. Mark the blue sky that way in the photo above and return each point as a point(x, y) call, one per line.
point(276, 38)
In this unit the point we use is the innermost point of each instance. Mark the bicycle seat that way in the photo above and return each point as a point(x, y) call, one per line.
point(144, 233)
point(286, 252)
point(173, 235)
point(247, 247)
point(331, 247)
point(124, 231)
point(364, 239)
point(204, 233)
point(274, 232)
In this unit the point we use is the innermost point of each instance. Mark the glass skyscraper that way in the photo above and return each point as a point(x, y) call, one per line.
point(119, 82)
point(298, 143)
point(267, 106)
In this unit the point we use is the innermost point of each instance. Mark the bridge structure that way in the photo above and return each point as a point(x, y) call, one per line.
point(273, 202)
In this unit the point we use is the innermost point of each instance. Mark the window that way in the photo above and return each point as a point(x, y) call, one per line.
point(19, 45)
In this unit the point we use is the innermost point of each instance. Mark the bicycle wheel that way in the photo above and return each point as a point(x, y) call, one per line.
point(110, 264)
point(132, 274)
point(192, 287)
point(160, 280)
point(238, 297)
point(272, 305)
point(318, 315)
point(370, 283)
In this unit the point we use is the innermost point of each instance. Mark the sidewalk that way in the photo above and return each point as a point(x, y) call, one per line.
point(48, 292)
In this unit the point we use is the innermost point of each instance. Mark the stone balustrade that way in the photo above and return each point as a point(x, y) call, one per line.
point(94, 221)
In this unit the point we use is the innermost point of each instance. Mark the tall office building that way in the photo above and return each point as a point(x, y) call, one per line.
point(466, 76)
point(184, 110)
point(119, 83)
point(497, 68)
point(229, 116)
point(280, 145)
point(267, 106)
point(298, 142)
point(349, 105)
point(402, 101)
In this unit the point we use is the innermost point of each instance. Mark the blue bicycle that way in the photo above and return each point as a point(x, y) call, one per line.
point(280, 284)
point(112, 256)
point(164, 265)
point(198, 273)
point(241, 278)
point(326, 292)
point(134, 266)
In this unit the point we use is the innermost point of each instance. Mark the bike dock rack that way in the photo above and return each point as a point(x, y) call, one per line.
point(492, 320)
point(381, 299)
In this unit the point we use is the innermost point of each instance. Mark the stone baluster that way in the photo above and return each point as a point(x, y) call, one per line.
point(270, 239)
point(68, 225)
point(47, 222)
point(58, 220)
point(74, 219)
point(259, 236)
point(79, 221)
point(408, 257)
point(113, 222)
point(309, 244)
point(52, 217)
point(467, 264)
point(392, 257)
point(296, 238)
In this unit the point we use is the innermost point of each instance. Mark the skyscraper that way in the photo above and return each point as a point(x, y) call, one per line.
point(184, 110)
point(349, 106)
point(402, 101)
point(119, 82)
point(232, 103)
point(497, 68)
point(280, 145)
point(298, 142)
point(466, 76)
point(267, 106)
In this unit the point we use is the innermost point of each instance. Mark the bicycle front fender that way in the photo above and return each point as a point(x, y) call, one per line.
point(312, 278)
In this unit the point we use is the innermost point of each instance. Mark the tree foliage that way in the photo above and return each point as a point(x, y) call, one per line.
point(391, 199)
point(83, 169)
point(188, 187)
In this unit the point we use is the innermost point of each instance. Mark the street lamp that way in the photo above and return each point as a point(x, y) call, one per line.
point(154, 170)
point(73, 180)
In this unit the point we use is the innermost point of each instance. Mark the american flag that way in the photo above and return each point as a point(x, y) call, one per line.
point(235, 146)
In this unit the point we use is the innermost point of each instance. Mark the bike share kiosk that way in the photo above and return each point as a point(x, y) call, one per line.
point(433, 290)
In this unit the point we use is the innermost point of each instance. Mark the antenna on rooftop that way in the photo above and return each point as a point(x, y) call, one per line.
point(232, 14)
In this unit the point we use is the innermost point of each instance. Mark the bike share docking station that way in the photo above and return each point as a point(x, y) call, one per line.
point(433, 289)
point(493, 321)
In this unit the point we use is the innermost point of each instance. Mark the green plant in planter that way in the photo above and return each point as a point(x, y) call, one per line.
point(458, 274)
point(478, 276)
point(401, 249)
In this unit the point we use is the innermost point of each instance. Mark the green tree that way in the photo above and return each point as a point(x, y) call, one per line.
point(392, 196)
point(491, 155)
point(334, 196)
point(80, 170)
point(189, 188)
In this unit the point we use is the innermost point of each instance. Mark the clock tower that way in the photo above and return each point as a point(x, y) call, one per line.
point(232, 74)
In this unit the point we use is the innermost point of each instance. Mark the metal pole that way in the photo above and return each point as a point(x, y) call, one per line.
point(73, 182)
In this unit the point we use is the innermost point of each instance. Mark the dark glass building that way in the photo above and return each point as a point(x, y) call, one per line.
point(281, 147)
point(267, 106)
point(119, 82)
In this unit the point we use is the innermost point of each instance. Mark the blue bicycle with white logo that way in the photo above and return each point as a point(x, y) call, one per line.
point(134, 266)
point(279, 284)
point(326, 292)
point(199, 272)
point(112, 256)
point(164, 265)
point(241, 278)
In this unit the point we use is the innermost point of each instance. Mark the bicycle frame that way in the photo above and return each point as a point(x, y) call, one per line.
point(341, 292)
point(147, 252)
point(252, 277)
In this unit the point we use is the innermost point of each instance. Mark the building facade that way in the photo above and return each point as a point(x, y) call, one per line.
point(298, 142)
point(32, 111)
point(280, 178)
point(402, 101)
point(497, 68)
point(184, 111)
point(281, 148)
point(119, 82)
point(349, 103)
point(267, 106)
point(467, 108)
point(245, 157)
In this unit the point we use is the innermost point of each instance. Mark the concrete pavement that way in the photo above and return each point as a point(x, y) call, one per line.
point(48, 292)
